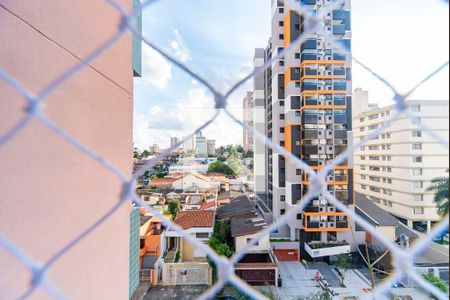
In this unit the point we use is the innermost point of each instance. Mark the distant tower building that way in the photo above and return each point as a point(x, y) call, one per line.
point(248, 106)
point(154, 149)
point(201, 145)
point(174, 141)
point(360, 101)
point(211, 148)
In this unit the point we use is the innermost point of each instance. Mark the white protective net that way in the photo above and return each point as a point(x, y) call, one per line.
point(401, 258)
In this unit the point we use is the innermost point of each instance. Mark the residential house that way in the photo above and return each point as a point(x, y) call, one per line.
point(184, 264)
point(258, 266)
point(152, 246)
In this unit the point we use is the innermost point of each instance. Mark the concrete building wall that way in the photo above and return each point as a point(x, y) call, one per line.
point(395, 169)
point(260, 163)
point(64, 194)
point(241, 241)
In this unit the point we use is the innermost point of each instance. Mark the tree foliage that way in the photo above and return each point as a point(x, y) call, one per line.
point(440, 187)
point(220, 167)
point(437, 282)
point(172, 209)
point(316, 296)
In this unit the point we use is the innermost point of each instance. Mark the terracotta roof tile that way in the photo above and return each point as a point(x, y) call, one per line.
point(195, 219)
point(159, 181)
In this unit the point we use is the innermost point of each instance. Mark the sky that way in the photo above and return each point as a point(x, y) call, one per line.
point(402, 40)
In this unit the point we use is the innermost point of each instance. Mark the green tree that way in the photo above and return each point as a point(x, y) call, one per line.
point(145, 153)
point(440, 187)
point(437, 282)
point(240, 149)
point(343, 263)
point(137, 153)
point(172, 209)
point(220, 167)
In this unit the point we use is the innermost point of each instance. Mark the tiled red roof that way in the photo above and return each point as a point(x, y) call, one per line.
point(195, 219)
point(160, 181)
point(207, 205)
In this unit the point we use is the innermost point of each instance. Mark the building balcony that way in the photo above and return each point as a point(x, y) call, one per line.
point(318, 249)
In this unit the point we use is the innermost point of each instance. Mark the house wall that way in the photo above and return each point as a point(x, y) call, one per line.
point(241, 241)
point(197, 273)
point(66, 191)
point(190, 180)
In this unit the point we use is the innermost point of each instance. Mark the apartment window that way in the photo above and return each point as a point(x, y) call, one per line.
point(281, 116)
point(389, 147)
point(281, 36)
point(385, 203)
point(281, 63)
point(363, 158)
point(390, 192)
point(389, 170)
point(418, 198)
point(298, 84)
point(416, 108)
point(363, 176)
point(389, 158)
point(282, 103)
point(282, 212)
point(417, 146)
point(299, 217)
point(417, 133)
point(373, 127)
point(362, 129)
point(282, 130)
point(418, 159)
point(298, 113)
point(373, 117)
point(375, 189)
point(417, 172)
point(281, 23)
point(389, 181)
point(363, 168)
point(364, 187)
point(363, 148)
point(390, 204)
point(388, 113)
point(283, 198)
point(281, 10)
point(282, 143)
point(388, 135)
point(299, 172)
point(376, 158)
point(297, 26)
point(419, 210)
point(383, 136)
point(362, 119)
point(418, 184)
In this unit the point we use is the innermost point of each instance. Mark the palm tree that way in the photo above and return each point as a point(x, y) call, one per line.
point(440, 187)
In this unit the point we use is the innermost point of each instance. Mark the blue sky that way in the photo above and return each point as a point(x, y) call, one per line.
point(403, 40)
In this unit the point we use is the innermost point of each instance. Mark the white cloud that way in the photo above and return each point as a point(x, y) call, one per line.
point(156, 70)
point(183, 118)
point(181, 51)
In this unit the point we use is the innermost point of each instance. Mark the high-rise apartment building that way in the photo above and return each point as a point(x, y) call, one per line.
point(211, 148)
point(395, 168)
point(248, 105)
point(201, 145)
point(307, 105)
point(174, 141)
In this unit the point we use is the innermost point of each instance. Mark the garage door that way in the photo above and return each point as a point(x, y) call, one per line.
point(287, 254)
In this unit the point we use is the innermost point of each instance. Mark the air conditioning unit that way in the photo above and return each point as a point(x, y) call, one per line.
point(329, 73)
point(329, 118)
point(320, 102)
point(323, 224)
point(321, 163)
point(331, 224)
point(328, 57)
point(330, 178)
point(329, 102)
point(329, 88)
point(322, 209)
point(331, 209)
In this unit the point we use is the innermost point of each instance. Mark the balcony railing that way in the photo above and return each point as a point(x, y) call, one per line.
point(316, 250)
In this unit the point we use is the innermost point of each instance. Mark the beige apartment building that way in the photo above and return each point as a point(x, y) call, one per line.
point(395, 168)
point(50, 192)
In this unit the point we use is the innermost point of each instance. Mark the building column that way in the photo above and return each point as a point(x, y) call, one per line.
point(410, 224)
point(428, 226)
